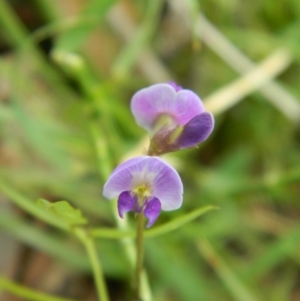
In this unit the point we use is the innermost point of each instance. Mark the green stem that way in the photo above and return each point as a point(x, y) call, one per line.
point(139, 255)
point(27, 293)
point(101, 151)
point(90, 247)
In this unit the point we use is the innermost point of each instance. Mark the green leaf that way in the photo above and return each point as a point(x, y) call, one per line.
point(178, 222)
point(64, 211)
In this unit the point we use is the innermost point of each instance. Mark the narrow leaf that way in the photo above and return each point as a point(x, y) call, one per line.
point(178, 222)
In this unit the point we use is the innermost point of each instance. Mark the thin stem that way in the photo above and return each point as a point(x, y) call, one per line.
point(25, 292)
point(139, 255)
point(90, 247)
point(97, 270)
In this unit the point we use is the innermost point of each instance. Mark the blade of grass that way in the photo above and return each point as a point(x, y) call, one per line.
point(175, 271)
point(178, 222)
point(128, 56)
point(27, 293)
point(72, 39)
point(230, 280)
point(275, 253)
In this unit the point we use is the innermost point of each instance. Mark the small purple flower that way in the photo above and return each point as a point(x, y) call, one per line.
point(175, 117)
point(145, 185)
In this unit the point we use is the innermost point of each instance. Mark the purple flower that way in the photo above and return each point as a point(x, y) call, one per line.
point(175, 117)
point(145, 185)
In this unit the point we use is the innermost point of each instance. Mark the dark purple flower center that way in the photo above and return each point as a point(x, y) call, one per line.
point(130, 201)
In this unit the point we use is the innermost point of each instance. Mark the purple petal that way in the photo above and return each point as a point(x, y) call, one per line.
point(150, 103)
point(166, 184)
point(162, 179)
point(128, 163)
point(188, 105)
point(152, 211)
point(175, 86)
point(126, 203)
point(121, 178)
point(196, 131)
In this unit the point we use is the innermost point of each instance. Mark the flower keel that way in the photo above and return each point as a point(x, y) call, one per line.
point(126, 203)
point(152, 211)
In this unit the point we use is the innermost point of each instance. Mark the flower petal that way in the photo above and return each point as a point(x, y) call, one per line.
point(187, 106)
point(128, 163)
point(175, 86)
point(150, 103)
point(126, 203)
point(196, 130)
point(152, 211)
point(121, 178)
point(162, 179)
point(166, 184)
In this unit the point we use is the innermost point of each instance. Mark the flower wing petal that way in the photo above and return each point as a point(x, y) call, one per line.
point(166, 183)
point(152, 211)
point(126, 203)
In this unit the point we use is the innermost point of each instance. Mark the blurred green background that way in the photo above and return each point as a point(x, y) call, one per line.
point(68, 69)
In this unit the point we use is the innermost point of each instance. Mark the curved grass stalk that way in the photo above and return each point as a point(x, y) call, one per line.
point(26, 293)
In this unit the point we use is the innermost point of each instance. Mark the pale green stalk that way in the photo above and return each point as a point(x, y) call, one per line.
point(90, 247)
